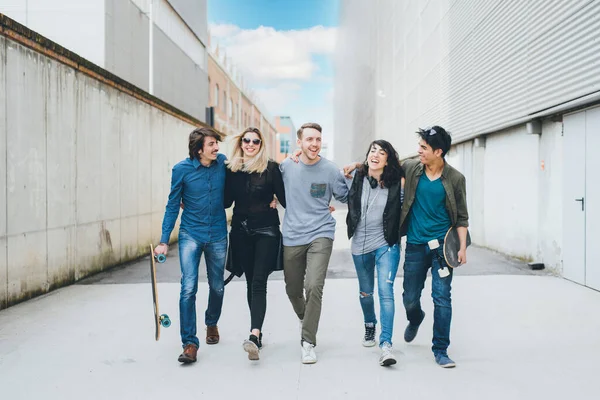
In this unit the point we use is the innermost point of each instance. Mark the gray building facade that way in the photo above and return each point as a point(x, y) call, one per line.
point(168, 61)
point(517, 83)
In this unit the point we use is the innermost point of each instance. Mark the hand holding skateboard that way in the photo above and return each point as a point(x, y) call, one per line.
point(162, 248)
point(158, 254)
point(452, 254)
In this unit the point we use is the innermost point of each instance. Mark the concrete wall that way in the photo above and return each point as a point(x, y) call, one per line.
point(514, 191)
point(193, 12)
point(3, 176)
point(178, 80)
point(550, 195)
point(511, 192)
point(179, 74)
point(115, 35)
point(476, 68)
point(59, 19)
point(471, 66)
point(127, 42)
point(87, 173)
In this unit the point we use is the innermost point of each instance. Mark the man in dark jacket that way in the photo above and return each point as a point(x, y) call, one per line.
point(434, 201)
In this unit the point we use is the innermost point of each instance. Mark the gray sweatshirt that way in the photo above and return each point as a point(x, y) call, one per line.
point(308, 192)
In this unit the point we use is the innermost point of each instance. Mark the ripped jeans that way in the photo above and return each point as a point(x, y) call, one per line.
point(385, 259)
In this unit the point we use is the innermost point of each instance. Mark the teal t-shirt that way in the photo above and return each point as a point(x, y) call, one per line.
point(428, 218)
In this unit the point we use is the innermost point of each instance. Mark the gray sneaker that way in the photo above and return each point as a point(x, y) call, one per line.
point(411, 330)
point(387, 355)
point(444, 361)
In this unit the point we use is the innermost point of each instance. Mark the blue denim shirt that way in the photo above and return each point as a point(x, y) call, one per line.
point(202, 191)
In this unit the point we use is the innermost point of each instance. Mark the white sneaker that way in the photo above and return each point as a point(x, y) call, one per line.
point(387, 356)
point(308, 353)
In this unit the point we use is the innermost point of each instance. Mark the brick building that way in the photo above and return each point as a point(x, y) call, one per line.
point(235, 107)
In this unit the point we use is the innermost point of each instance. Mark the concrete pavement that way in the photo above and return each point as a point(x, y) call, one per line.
point(515, 335)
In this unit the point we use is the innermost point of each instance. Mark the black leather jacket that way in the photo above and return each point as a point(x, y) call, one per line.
point(391, 212)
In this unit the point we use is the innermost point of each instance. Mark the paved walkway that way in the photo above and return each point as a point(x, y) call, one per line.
point(515, 335)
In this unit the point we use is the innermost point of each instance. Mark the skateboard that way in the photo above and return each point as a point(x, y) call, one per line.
point(452, 246)
point(159, 319)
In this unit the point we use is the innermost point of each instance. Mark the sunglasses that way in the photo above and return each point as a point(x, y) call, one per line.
point(430, 131)
point(254, 141)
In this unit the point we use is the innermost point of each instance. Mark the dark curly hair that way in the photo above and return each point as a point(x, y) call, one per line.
point(393, 171)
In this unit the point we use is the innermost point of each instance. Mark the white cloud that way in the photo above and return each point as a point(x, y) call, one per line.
point(277, 98)
point(223, 30)
point(279, 65)
point(265, 54)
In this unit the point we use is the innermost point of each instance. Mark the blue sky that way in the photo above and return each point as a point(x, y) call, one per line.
point(284, 49)
point(280, 14)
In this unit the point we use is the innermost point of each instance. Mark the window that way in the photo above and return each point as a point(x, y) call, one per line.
point(230, 108)
point(284, 146)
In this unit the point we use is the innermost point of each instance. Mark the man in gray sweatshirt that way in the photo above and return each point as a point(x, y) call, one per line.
point(308, 231)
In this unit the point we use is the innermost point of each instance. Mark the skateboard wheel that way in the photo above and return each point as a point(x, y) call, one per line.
point(165, 320)
point(161, 258)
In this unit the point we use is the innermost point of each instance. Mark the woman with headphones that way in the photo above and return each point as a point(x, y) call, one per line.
point(374, 205)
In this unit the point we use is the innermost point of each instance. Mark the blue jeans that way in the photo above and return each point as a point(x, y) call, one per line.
point(386, 260)
point(418, 259)
point(190, 252)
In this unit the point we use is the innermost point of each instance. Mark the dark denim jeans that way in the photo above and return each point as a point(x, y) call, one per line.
point(418, 259)
point(190, 252)
point(385, 259)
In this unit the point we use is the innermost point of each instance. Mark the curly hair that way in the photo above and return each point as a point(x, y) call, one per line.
point(393, 171)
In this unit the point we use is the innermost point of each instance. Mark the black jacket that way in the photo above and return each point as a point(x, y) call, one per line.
point(391, 212)
point(252, 194)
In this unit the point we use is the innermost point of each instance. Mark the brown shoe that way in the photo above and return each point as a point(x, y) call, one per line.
point(189, 354)
point(212, 335)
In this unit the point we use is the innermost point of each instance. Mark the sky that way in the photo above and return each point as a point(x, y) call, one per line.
point(284, 49)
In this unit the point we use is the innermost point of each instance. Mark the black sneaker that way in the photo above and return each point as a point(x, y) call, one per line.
point(251, 347)
point(369, 339)
point(411, 330)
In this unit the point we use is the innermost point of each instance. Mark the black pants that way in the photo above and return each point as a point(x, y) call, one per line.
point(257, 254)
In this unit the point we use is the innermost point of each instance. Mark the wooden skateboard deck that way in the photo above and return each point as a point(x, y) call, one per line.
point(159, 320)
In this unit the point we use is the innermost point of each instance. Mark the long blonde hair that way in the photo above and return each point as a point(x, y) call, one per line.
point(237, 161)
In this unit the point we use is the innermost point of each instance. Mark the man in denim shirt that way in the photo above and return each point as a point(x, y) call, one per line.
point(198, 182)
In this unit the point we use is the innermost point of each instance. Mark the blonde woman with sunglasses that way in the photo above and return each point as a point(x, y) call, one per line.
point(255, 239)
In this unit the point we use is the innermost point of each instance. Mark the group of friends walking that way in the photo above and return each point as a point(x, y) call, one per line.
point(420, 199)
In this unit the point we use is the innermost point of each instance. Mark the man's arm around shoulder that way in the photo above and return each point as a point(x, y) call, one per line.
point(339, 185)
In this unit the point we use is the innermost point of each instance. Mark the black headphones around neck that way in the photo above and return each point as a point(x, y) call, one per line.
point(372, 181)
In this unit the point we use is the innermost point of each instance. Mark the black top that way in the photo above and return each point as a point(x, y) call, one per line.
point(252, 194)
